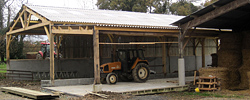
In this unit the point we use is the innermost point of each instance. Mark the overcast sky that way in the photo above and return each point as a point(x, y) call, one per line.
point(86, 4)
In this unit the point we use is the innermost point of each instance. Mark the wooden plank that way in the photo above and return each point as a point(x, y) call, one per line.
point(207, 77)
point(206, 83)
point(208, 89)
point(28, 93)
point(194, 77)
point(100, 95)
point(215, 13)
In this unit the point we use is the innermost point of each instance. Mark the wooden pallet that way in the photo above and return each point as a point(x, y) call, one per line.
point(28, 93)
point(208, 83)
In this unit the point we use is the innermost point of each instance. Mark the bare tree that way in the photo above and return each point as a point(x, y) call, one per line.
point(5, 20)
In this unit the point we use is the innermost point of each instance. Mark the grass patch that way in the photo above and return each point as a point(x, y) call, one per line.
point(2, 68)
point(208, 94)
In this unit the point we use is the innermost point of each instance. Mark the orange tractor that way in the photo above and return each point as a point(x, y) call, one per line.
point(131, 66)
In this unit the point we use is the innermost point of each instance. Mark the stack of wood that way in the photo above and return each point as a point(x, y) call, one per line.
point(209, 83)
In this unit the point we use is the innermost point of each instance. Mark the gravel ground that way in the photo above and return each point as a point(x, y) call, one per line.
point(218, 95)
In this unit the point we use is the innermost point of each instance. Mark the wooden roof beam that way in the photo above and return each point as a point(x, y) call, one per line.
point(28, 28)
point(129, 29)
point(26, 21)
point(213, 14)
point(70, 30)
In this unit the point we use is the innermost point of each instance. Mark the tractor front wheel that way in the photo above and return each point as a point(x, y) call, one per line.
point(111, 78)
point(39, 56)
point(141, 72)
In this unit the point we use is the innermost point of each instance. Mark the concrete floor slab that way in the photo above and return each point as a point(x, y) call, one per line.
point(120, 87)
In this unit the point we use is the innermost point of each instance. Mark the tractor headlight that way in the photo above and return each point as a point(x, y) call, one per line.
point(101, 69)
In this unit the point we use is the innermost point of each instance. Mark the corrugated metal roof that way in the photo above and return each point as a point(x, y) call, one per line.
point(106, 17)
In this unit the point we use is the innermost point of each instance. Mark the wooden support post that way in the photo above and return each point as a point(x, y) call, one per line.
point(57, 46)
point(52, 67)
point(181, 61)
point(96, 56)
point(194, 53)
point(217, 45)
point(194, 77)
point(203, 52)
point(8, 51)
point(164, 57)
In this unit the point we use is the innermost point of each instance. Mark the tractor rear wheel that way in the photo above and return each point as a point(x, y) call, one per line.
point(111, 78)
point(141, 72)
point(39, 56)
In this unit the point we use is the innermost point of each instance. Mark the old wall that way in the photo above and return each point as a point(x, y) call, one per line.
point(82, 46)
point(78, 55)
point(84, 67)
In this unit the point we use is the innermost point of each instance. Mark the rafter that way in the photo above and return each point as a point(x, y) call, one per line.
point(47, 31)
point(28, 21)
point(25, 21)
point(23, 25)
point(126, 29)
point(110, 38)
point(37, 15)
point(28, 28)
point(15, 21)
point(215, 13)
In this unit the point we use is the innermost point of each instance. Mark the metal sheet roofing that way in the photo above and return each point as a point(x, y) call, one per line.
point(106, 17)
